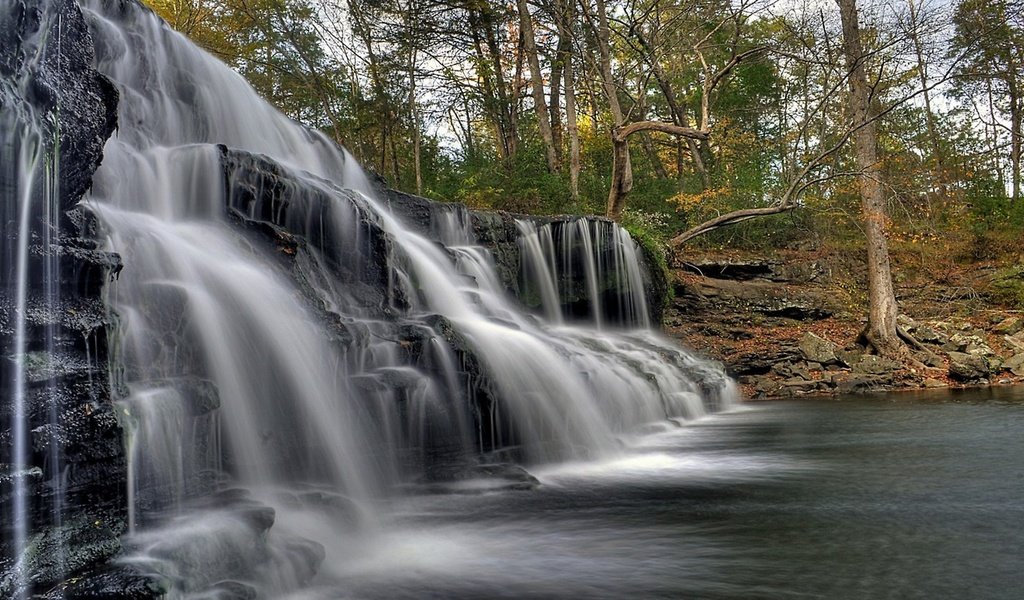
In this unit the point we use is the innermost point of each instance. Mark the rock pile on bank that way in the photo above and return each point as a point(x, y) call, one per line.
point(783, 328)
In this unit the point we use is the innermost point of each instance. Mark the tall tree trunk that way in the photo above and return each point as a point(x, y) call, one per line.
point(881, 332)
point(622, 170)
point(997, 161)
point(362, 28)
point(1016, 106)
point(567, 16)
point(937, 163)
point(411, 20)
point(516, 87)
point(414, 114)
point(537, 86)
point(503, 108)
point(470, 143)
point(555, 99)
point(490, 100)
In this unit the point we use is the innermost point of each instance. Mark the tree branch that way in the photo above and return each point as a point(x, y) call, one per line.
point(620, 134)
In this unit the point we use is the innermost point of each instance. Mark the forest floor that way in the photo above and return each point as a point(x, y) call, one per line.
point(787, 322)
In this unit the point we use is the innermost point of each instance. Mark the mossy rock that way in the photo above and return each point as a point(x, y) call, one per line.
point(1007, 286)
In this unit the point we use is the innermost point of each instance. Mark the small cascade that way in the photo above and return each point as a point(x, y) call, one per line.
point(30, 278)
point(29, 159)
point(583, 270)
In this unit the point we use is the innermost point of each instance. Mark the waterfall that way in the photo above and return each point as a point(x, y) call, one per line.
point(292, 352)
point(582, 268)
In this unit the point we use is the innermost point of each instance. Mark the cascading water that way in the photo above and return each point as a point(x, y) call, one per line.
point(291, 352)
point(612, 283)
point(29, 228)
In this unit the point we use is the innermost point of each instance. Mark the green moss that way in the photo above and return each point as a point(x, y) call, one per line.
point(1008, 286)
point(651, 234)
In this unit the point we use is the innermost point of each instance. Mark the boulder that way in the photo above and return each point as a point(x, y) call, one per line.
point(849, 356)
point(817, 349)
point(792, 370)
point(929, 359)
point(1015, 364)
point(928, 335)
point(796, 386)
point(1009, 326)
point(969, 343)
point(757, 363)
point(768, 299)
point(967, 367)
point(122, 582)
point(1015, 341)
point(871, 364)
point(862, 384)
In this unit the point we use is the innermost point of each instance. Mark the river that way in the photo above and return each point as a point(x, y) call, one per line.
point(897, 496)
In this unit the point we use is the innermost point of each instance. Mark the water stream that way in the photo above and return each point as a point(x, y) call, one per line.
point(28, 229)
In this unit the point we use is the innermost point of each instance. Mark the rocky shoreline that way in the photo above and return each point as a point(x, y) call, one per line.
point(786, 326)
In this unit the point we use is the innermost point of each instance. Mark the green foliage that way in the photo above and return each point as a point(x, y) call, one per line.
point(377, 75)
point(651, 231)
point(989, 204)
point(1007, 286)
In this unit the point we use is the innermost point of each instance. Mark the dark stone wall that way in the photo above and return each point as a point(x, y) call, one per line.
point(54, 104)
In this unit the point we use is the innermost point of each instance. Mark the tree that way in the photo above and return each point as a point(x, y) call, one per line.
point(990, 35)
point(882, 331)
point(537, 86)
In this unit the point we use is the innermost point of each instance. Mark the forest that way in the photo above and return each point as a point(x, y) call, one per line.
point(752, 124)
point(715, 106)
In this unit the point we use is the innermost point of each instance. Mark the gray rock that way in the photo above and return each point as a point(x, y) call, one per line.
point(799, 386)
point(862, 384)
point(933, 383)
point(1009, 326)
point(1015, 341)
point(929, 359)
point(1015, 364)
point(849, 357)
point(817, 349)
point(928, 335)
point(972, 344)
point(121, 582)
point(871, 364)
point(968, 367)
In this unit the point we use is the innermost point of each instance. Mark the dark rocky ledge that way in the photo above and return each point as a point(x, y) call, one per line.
point(61, 105)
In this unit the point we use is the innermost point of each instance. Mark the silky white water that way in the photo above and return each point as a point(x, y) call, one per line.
point(28, 228)
point(294, 402)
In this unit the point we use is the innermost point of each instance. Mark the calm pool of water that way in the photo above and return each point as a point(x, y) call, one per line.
point(905, 496)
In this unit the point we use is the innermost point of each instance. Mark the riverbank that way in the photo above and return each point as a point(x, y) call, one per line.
point(788, 324)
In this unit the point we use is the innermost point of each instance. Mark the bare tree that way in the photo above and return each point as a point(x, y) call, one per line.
point(882, 331)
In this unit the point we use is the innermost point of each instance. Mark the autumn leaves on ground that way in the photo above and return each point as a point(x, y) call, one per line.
point(788, 322)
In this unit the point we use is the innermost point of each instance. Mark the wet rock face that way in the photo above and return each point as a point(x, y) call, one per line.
point(61, 91)
point(56, 113)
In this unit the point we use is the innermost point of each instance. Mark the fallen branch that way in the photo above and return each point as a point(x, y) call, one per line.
point(620, 134)
point(736, 216)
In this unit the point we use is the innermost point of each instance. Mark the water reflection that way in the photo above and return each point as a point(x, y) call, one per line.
point(883, 497)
